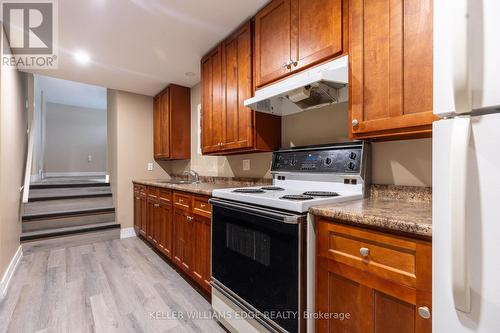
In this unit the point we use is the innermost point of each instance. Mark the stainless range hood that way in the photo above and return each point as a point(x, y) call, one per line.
point(316, 87)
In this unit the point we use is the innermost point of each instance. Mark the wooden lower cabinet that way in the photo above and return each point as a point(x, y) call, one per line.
point(182, 240)
point(140, 210)
point(369, 281)
point(177, 224)
point(165, 226)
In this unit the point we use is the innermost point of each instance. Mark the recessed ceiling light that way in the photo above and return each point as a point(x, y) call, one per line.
point(191, 74)
point(82, 57)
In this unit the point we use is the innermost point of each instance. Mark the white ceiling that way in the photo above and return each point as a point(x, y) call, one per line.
point(71, 93)
point(143, 45)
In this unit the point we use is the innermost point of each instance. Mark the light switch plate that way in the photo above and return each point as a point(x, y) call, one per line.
point(150, 166)
point(246, 165)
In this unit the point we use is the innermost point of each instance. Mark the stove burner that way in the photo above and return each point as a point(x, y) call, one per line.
point(272, 188)
point(321, 193)
point(296, 197)
point(249, 190)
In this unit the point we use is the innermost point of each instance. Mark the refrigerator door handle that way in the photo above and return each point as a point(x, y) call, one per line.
point(462, 93)
point(458, 194)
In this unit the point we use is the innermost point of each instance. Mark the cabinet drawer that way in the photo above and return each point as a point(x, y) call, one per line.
point(153, 192)
point(182, 200)
point(165, 195)
point(201, 206)
point(389, 257)
point(140, 189)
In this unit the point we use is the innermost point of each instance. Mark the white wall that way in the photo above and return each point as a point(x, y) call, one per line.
point(72, 133)
point(130, 140)
point(13, 142)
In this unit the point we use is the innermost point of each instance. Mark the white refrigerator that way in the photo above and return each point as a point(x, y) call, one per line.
point(466, 167)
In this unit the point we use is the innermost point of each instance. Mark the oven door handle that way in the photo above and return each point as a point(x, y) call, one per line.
point(258, 211)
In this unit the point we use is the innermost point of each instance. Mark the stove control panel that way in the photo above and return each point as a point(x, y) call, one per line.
point(339, 158)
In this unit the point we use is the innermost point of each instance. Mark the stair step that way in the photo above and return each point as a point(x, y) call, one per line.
point(67, 207)
point(68, 193)
point(67, 185)
point(67, 221)
point(67, 230)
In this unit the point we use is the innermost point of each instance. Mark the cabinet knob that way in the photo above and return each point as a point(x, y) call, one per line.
point(285, 65)
point(355, 122)
point(364, 252)
point(189, 218)
point(424, 312)
point(295, 63)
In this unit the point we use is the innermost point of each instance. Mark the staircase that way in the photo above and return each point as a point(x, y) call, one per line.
point(67, 207)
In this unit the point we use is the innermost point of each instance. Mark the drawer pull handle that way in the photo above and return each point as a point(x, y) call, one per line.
point(424, 312)
point(157, 205)
point(203, 205)
point(364, 252)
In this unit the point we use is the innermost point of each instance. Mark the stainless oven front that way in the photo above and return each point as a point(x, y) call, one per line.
point(258, 262)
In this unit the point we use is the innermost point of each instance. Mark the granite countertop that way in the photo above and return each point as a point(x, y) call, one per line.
point(207, 184)
point(402, 209)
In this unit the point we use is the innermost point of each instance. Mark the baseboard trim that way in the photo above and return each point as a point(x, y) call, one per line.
point(74, 174)
point(127, 232)
point(11, 269)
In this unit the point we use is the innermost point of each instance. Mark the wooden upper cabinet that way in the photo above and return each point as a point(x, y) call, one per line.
point(273, 35)
point(391, 68)
point(212, 100)
point(237, 75)
point(291, 35)
point(317, 31)
point(228, 127)
point(172, 123)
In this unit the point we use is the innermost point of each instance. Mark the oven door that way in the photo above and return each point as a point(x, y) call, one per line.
point(258, 260)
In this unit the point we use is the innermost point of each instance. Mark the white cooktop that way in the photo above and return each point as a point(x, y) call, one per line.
point(273, 198)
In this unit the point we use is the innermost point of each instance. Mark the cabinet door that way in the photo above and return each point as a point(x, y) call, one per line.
point(272, 42)
point(165, 228)
point(151, 222)
point(369, 309)
point(137, 212)
point(144, 216)
point(337, 294)
point(179, 118)
point(201, 255)
point(317, 31)
point(157, 144)
point(212, 101)
point(237, 68)
point(183, 240)
point(179, 218)
point(391, 68)
point(165, 123)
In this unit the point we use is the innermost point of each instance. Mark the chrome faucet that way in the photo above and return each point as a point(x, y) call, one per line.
point(193, 176)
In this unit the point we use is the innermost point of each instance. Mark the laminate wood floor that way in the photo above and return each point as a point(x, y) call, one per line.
point(105, 286)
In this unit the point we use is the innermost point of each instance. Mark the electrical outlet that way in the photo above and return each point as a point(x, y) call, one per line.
point(150, 166)
point(89, 158)
point(246, 165)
